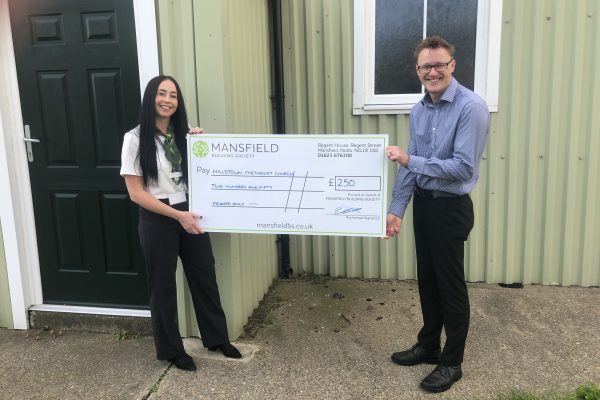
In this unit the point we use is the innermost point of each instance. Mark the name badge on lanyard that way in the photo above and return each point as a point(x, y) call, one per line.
point(175, 174)
point(176, 198)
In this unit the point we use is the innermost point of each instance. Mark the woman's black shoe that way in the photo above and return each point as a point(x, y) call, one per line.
point(227, 349)
point(184, 362)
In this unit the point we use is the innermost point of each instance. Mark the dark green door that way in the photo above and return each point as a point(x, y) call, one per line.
point(79, 85)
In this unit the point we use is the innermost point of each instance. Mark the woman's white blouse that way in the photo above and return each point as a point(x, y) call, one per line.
point(130, 165)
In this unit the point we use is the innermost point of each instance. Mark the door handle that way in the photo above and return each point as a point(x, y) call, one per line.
point(28, 140)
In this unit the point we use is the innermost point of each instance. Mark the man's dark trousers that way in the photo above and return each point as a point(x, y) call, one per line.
point(441, 227)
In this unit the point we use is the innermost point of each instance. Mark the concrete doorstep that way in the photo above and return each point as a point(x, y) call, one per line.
point(326, 338)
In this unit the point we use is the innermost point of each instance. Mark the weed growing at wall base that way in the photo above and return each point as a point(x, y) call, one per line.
point(584, 392)
point(587, 392)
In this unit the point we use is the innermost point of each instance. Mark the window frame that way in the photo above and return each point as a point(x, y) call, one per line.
point(487, 61)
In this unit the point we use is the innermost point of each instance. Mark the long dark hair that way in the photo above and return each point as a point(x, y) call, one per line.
point(147, 150)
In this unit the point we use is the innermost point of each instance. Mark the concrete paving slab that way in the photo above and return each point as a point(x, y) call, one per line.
point(40, 365)
point(323, 338)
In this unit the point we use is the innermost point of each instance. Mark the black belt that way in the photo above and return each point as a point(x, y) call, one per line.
point(167, 202)
point(433, 194)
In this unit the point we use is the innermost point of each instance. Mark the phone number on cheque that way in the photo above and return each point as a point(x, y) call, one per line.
point(334, 155)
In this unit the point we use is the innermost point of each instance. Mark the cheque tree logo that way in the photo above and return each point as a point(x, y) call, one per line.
point(200, 149)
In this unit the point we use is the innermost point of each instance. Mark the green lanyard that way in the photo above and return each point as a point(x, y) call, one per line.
point(172, 154)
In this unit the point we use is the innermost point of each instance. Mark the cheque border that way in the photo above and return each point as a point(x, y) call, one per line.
point(383, 171)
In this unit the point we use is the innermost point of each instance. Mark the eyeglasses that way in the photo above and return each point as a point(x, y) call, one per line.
point(439, 67)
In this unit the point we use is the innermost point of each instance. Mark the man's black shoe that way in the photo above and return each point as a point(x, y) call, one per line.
point(184, 362)
point(441, 378)
point(416, 355)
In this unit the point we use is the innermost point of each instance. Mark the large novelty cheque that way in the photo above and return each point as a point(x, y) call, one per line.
point(294, 184)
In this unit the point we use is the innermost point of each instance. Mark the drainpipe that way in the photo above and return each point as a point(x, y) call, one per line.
point(277, 102)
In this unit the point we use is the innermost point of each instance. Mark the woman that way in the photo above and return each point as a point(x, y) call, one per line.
point(155, 170)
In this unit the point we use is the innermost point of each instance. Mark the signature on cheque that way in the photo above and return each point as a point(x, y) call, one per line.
point(347, 210)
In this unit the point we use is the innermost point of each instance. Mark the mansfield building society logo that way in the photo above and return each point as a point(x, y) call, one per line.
point(202, 149)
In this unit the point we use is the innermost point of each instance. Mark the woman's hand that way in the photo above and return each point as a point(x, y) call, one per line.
point(196, 131)
point(189, 220)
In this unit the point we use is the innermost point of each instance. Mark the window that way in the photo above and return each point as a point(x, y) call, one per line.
point(386, 32)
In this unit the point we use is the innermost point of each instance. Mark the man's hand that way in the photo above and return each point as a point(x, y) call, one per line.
point(392, 225)
point(395, 153)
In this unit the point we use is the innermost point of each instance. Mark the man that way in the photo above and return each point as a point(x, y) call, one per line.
point(448, 130)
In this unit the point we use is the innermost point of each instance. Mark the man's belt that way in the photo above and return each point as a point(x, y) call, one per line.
point(433, 194)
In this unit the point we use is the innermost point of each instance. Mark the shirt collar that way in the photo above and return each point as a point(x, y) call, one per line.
point(160, 135)
point(448, 95)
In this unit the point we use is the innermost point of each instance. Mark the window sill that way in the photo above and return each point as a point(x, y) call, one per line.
point(379, 109)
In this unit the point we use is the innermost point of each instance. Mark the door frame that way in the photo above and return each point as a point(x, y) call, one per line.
point(16, 205)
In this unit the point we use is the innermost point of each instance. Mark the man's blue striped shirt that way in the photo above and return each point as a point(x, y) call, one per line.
point(446, 143)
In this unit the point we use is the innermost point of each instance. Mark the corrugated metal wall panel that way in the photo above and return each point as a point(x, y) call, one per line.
point(219, 53)
point(248, 89)
point(544, 129)
point(5, 303)
point(535, 205)
point(176, 48)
